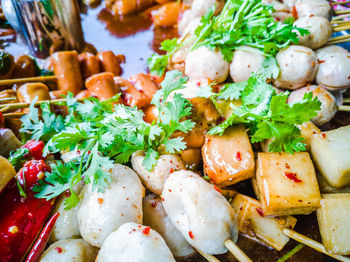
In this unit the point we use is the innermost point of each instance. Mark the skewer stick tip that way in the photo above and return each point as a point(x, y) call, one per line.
point(236, 251)
point(210, 258)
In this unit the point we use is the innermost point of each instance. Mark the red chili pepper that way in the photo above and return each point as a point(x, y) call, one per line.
point(190, 234)
point(39, 245)
point(293, 177)
point(146, 230)
point(23, 217)
point(35, 149)
point(260, 212)
point(2, 118)
point(295, 12)
point(238, 156)
point(33, 171)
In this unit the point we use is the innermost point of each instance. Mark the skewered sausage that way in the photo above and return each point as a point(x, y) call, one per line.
point(69, 250)
point(144, 84)
point(110, 62)
point(166, 15)
point(245, 62)
point(27, 92)
point(203, 63)
point(320, 53)
point(124, 7)
point(67, 69)
point(202, 215)
point(24, 67)
point(154, 180)
point(7, 65)
point(8, 93)
point(155, 217)
point(328, 107)
point(320, 31)
point(298, 67)
point(333, 72)
point(102, 86)
point(137, 243)
point(89, 64)
point(313, 8)
point(100, 213)
point(130, 94)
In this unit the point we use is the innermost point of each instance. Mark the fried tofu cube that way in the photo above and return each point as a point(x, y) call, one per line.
point(229, 158)
point(253, 223)
point(331, 153)
point(287, 184)
point(334, 221)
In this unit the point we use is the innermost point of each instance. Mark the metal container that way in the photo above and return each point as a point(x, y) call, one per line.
point(49, 25)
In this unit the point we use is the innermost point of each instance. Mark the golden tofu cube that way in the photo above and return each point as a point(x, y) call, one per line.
point(331, 153)
point(334, 221)
point(229, 158)
point(287, 184)
point(253, 223)
point(307, 130)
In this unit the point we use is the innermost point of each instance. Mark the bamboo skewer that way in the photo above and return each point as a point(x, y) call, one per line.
point(338, 41)
point(313, 244)
point(341, 12)
point(340, 3)
point(346, 100)
point(13, 115)
point(341, 28)
point(344, 108)
point(340, 22)
point(339, 38)
point(26, 80)
point(236, 251)
point(339, 17)
point(210, 258)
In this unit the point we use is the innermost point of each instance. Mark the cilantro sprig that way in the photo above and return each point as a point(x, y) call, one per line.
point(266, 114)
point(106, 134)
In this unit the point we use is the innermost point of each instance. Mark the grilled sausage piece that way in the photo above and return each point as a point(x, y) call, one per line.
point(24, 67)
point(89, 64)
point(144, 84)
point(110, 62)
point(130, 94)
point(27, 92)
point(102, 86)
point(67, 69)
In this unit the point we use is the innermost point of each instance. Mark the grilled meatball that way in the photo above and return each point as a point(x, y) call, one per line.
point(328, 107)
point(199, 212)
point(136, 243)
point(298, 67)
point(320, 53)
point(308, 8)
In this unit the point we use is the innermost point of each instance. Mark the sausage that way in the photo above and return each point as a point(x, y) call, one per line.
point(102, 86)
point(110, 62)
point(203, 63)
point(57, 94)
point(101, 213)
point(333, 73)
point(192, 158)
point(69, 250)
point(156, 218)
point(124, 7)
point(244, 63)
point(67, 69)
point(7, 65)
point(306, 8)
point(298, 67)
point(89, 64)
point(320, 53)
point(151, 113)
point(202, 215)
point(320, 31)
point(83, 94)
point(154, 180)
point(144, 84)
point(166, 15)
point(130, 94)
point(27, 92)
point(24, 67)
point(328, 107)
point(136, 243)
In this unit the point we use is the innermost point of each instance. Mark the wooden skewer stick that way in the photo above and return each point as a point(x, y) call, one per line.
point(339, 17)
point(344, 108)
point(339, 38)
point(313, 244)
point(16, 106)
point(340, 3)
point(346, 100)
point(13, 115)
point(340, 22)
point(8, 99)
point(27, 80)
point(236, 251)
point(341, 28)
point(210, 258)
point(338, 41)
point(342, 12)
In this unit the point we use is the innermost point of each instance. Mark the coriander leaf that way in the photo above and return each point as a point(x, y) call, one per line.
point(71, 201)
point(174, 145)
point(232, 91)
point(270, 68)
point(150, 159)
point(18, 157)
